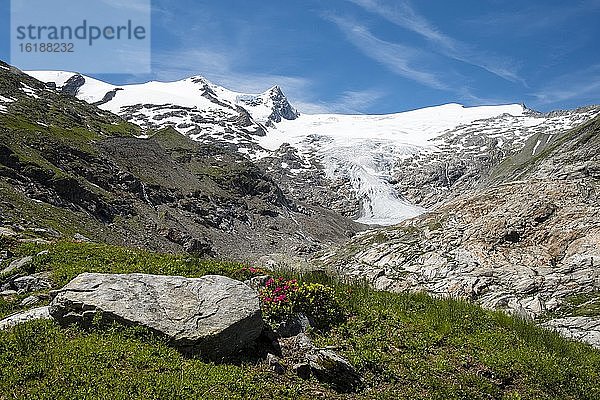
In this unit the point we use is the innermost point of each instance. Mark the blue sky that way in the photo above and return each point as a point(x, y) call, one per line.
point(380, 56)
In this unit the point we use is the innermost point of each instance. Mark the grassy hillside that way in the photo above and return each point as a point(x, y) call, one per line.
point(404, 345)
point(68, 167)
point(556, 153)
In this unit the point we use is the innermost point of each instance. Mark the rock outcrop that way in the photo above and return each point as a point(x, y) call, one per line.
point(527, 243)
point(22, 317)
point(213, 315)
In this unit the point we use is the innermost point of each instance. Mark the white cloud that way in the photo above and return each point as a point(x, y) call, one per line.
point(219, 67)
point(397, 58)
point(349, 102)
point(402, 14)
point(583, 85)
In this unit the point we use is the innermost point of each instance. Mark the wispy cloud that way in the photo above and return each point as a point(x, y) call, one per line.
point(398, 58)
point(402, 14)
point(531, 19)
point(583, 86)
point(219, 67)
point(349, 102)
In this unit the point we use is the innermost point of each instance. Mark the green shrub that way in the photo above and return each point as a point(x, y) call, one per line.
point(281, 299)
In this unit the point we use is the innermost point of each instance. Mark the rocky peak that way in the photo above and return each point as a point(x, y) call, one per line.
point(282, 109)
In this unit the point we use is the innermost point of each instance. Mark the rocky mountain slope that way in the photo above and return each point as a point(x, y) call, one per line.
point(526, 239)
point(377, 169)
point(67, 167)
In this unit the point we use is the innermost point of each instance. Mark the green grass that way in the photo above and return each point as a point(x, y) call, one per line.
point(67, 259)
point(581, 305)
point(406, 346)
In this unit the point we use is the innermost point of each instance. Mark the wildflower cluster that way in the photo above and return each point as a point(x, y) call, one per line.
point(320, 303)
point(245, 273)
point(281, 299)
point(277, 298)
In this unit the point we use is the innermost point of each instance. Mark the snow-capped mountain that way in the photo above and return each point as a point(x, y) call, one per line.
point(377, 169)
point(194, 106)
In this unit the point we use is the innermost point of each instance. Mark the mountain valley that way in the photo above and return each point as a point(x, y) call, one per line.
point(495, 204)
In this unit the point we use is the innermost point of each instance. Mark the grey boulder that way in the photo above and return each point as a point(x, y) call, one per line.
point(31, 283)
point(16, 264)
point(22, 317)
point(330, 367)
point(212, 315)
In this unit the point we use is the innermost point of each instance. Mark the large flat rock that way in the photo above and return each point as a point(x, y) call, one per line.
point(213, 315)
point(584, 329)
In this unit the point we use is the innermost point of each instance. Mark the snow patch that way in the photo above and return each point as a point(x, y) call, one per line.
point(3, 108)
point(536, 147)
point(29, 91)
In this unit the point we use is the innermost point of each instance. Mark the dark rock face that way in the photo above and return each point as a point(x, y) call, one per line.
point(108, 96)
point(282, 109)
point(306, 181)
point(72, 85)
point(213, 315)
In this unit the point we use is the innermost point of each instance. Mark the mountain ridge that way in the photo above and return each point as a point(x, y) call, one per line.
point(375, 169)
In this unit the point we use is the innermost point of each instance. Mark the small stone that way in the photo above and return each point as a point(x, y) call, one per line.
point(330, 367)
point(30, 283)
point(302, 370)
point(34, 313)
point(198, 246)
point(275, 364)
point(78, 237)
point(29, 301)
point(16, 264)
point(293, 326)
point(35, 241)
